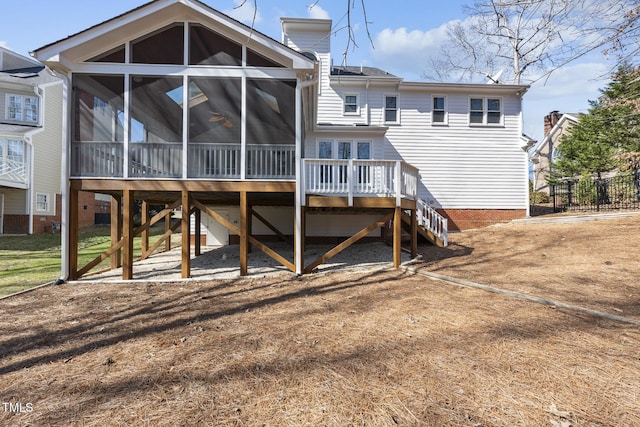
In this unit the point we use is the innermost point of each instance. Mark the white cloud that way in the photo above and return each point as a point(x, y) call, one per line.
point(3, 43)
point(567, 90)
point(410, 51)
point(316, 12)
point(578, 78)
point(244, 12)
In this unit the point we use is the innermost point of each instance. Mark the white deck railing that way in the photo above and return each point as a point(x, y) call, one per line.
point(271, 161)
point(155, 160)
point(430, 219)
point(360, 178)
point(221, 161)
point(14, 171)
point(97, 159)
point(164, 160)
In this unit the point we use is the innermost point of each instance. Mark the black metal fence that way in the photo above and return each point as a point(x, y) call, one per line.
point(597, 194)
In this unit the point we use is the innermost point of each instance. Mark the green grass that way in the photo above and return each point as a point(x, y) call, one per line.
point(29, 261)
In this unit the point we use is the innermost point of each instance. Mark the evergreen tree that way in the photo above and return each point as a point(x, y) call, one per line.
point(599, 141)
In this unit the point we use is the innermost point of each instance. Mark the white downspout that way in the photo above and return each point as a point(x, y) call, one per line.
point(64, 176)
point(300, 196)
point(31, 154)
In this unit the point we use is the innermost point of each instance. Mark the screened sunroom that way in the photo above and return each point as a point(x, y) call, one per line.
point(190, 104)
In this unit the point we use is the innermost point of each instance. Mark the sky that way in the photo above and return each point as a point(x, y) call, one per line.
point(402, 39)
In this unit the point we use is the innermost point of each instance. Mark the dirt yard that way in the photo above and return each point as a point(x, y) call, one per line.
point(382, 348)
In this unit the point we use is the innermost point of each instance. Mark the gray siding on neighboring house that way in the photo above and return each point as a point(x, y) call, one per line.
point(48, 149)
point(15, 201)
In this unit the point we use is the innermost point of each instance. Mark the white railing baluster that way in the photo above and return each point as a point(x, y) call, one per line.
point(430, 219)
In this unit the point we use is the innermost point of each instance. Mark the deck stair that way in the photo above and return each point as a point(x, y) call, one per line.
point(431, 225)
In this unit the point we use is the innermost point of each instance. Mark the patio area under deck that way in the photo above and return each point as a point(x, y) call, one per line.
point(385, 187)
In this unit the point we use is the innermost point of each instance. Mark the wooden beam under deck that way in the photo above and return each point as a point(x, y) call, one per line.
point(358, 202)
point(178, 186)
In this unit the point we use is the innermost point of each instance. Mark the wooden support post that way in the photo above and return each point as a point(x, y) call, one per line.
point(198, 232)
point(397, 237)
point(167, 229)
point(145, 232)
point(73, 230)
point(414, 233)
point(116, 230)
point(186, 238)
point(300, 240)
point(249, 226)
point(244, 226)
point(127, 234)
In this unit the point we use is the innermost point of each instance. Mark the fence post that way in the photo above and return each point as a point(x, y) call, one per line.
point(569, 193)
point(598, 183)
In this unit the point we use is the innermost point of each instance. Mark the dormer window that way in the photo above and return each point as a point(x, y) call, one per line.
point(22, 108)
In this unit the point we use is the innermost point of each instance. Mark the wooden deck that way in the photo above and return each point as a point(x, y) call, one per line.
point(386, 188)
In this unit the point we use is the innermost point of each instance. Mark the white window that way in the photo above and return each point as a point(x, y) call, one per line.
point(439, 110)
point(15, 151)
point(391, 109)
point(351, 104)
point(485, 111)
point(22, 108)
point(42, 202)
point(344, 149)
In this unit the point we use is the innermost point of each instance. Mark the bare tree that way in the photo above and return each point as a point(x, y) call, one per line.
point(345, 23)
point(625, 37)
point(520, 38)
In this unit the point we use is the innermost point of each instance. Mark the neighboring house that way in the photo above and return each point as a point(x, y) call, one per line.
point(544, 153)
point(176, 104)
point(30, 148)
point(31, 132)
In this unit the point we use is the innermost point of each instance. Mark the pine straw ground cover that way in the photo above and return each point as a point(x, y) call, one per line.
point(377, 349)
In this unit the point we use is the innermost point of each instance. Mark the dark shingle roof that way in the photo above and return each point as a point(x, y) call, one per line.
point(360, 71)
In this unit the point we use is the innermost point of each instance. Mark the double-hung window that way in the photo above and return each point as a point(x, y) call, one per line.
point(22, 108)
point(15, 151)
point(439, 110)
point(351, 104)
point(42, 202)
point(485, 111)
point(391, 109)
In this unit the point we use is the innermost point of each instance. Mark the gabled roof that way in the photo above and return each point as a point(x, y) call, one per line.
point(21, 70)
point(566, 117)
point(10, 60)
point(163, 9)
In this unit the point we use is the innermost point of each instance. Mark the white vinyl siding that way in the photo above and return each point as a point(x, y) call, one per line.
point(462, 167)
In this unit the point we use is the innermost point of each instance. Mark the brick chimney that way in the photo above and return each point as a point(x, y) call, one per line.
point(550, 120)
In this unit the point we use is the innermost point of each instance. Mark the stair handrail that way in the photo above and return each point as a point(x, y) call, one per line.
point(430, 219)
